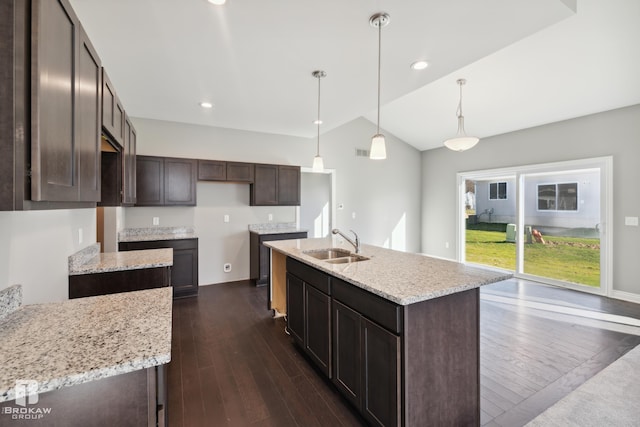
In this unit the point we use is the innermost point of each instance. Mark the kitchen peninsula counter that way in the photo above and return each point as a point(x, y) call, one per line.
point(76, 341)
point(87, 361)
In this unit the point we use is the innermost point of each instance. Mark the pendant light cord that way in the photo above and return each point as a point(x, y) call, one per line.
point(318, 121)
point(459, 110)
point(379, 62)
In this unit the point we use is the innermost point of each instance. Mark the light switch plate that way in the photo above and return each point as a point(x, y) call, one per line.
point(226, 218)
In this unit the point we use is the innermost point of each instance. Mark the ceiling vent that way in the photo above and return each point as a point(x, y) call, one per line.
point(360, 152)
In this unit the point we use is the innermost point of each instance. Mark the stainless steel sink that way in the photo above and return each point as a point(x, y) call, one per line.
point(326, 254)
point(347, 259)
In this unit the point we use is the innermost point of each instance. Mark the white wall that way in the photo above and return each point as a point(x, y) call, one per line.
point(34, 247)
point(614, 133)
point(315, 204)
point(385, 195)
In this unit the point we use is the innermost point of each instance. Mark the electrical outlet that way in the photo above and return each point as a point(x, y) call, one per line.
point(353, 215)
point(226, 218)
point(227, 267)
point(156, 220)
point(80, 236)
point(270, 217)
point(446, 245)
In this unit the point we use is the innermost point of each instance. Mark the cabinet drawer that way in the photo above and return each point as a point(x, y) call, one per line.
point(310, 275)
point(381, 311)
point(159, 244)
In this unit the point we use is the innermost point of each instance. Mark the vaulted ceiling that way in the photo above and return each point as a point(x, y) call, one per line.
point(526, 62)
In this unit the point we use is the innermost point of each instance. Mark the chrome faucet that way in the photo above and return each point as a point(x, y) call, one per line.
point(355, 243)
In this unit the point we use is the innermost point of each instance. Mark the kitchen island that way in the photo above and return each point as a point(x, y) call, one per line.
point(92, 361)
point(397, 333)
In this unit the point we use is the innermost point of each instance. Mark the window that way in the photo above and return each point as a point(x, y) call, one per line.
point(558, 197)
point(498, 191)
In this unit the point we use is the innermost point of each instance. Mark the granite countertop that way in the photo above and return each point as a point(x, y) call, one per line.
point(85, 339)
point(276, 228)
point(402, 277)
point(156, 233)
point(119, 261)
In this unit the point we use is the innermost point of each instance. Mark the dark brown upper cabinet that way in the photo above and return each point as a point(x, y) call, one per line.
point(276, 185)
point(65, 114)
point(51, 108)
point(113, 115)
point(129, 163)
point(212, 170)
point(240, 172)
point(165, 181)
point(218, 170)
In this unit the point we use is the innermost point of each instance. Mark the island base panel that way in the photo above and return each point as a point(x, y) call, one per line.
point(442, 361)
point(278, 284)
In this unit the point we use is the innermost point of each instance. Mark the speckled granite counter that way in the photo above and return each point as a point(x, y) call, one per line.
point(156, 233)
point(77, 341)
point(275, 228)
point(119, 261)
point(401, 277)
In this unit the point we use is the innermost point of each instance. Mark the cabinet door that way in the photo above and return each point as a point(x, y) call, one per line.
point(149, 181)
point(180, 181)
point(289, 185)
point(54, 161)
point(240, 172)
point(380, 375)
point(347, 352)
point(88, 125)
point(184, 273)
point(264, 190)
point(112, 111)
point(318, 327)
point(212, 170)
point(129, 167)
point(295, 308)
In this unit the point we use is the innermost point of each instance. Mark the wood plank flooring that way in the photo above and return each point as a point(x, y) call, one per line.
point(233, 365)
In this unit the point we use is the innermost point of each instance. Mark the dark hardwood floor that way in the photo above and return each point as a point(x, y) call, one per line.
point(233, 365)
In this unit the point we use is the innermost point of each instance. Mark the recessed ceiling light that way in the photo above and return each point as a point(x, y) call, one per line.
point(206, 105)
point(218, 2)
point(420, 65)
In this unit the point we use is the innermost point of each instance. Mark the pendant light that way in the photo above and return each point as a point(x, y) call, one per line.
point(318, 164)
point(378, 148)
point(461, 141)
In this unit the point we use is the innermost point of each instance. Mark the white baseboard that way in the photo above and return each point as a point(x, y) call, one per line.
point(626, 296)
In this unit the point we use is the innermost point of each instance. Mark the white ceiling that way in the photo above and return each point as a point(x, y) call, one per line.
point(527, 62)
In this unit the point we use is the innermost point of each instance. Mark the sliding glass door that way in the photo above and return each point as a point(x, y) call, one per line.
point(543, 222)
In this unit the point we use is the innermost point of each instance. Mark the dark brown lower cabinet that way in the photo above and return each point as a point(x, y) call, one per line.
point(137, 398)
point(411, 365)
point(88, 285)
point(366, 363)
point(259, 254)
point(309, 316)
point(184, 272)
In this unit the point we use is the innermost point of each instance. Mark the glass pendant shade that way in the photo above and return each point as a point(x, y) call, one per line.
point(461, 141)
point(378, 147)
point(318, 164)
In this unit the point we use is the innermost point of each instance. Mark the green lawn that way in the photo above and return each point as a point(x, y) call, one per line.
point(570, 259)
